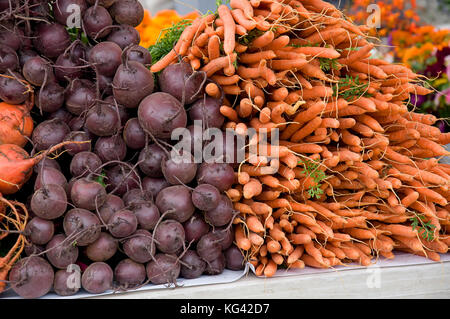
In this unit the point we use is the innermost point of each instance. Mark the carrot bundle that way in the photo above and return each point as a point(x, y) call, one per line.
point(356, 175)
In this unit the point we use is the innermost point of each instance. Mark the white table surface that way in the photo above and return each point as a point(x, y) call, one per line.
point(416, 281)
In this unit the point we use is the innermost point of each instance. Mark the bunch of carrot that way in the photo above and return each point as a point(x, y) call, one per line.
point(355, 174)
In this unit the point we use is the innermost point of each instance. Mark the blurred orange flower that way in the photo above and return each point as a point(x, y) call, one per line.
point(151, 27)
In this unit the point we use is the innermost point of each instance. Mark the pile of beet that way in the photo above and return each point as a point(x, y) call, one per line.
point(117, 206)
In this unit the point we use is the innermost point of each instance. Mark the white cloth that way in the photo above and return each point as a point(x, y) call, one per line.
point(157, 5)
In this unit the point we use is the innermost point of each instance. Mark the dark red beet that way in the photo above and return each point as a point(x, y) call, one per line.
point(39, 231)
point(102, 120)
point(132, 83)
point(150, 160)
point(192, 266)
point(123, 114)
point(207, 109)
point(50, 175)
point(82, 226)
point(49, 133)
point(77, 136)
point(165, 269)
point(129, 273)
point(52, 39)
point(139, 54)
point(176, 200)
point(181, 82)
point(147, 215)
point(36, 69)
point(47, 162)
point(87, 194)
point(111, 148)
point(67, 68)
point(220, 175)
point(134, 135)
point(12, 89)
point(179, 168)
point(136, 196)
point(169, 236)
point(140, 246)
point(120, 179)
point(31, 277)
point(80, 96)
point(129, 12)
point(8, 58)
point(224, 235)
point(107, 57)
point(50, 97)
point(96, 19)
point(206, 197)
point(97, 278)
point(61, 252)
point(112, 204)
point(154, 185)
point(122, 223)
point(49, 202)
point(104, 248)
point(234, 258)
point(64, 116)
point(209, 248)
point(84, 163)
point(124, 35)
point(195, 228)
point(161, 113)
point(216, 266)
point(222, 214)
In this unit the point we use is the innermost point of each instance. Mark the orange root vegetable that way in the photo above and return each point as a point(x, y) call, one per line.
point(212, 90)
point(16, 166)
point(214, 48)
point(241, 240)
point(263, 40)
point(229, 29)
point(15, 124)
point(252, 188)
point(218, 64)
point(254, 224)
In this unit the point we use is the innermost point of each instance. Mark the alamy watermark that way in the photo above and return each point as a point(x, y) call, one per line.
point(374, 19)
point(74, 19)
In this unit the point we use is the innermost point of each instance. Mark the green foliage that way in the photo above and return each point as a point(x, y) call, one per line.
point(350, 88)
point(220, 2)
point(303, 45)
point(425, 230)
point(101, 179)
point(75, 34)
point(311, 168)
point(252, 35)
point(328, 64)
point(167, 40)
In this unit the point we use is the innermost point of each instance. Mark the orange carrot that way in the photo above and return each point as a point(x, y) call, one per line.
point(271, 269)
point(263, 40)
point(217, 64)
point(254, 224)
point(214, 47)
point(241, 240)
point(307, 129)
point(252, 188)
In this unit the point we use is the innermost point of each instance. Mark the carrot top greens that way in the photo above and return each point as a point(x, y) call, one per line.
point(167, 40)
point(426, 230)
point(311, 168)
point(350, 88)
